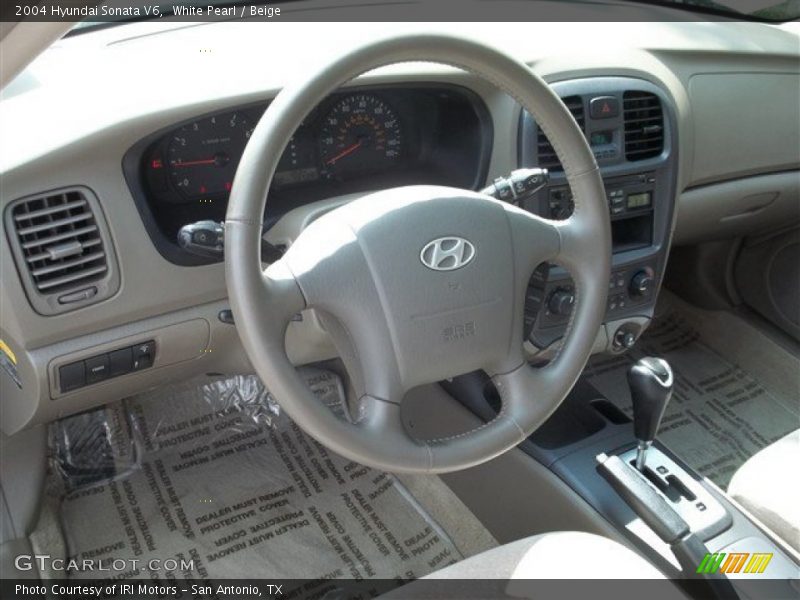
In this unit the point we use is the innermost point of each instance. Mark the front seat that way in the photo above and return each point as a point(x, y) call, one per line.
point(560, 555)
point(766, 487)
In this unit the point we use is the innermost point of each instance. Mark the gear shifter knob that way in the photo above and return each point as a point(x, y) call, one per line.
point(650, 380)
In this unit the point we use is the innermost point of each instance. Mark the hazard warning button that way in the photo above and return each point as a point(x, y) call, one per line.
point(604, 107)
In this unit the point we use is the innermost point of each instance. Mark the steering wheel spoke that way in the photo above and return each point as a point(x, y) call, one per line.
point(535, 238)
point(273, 292)
point(381, 419)
point(282, 294)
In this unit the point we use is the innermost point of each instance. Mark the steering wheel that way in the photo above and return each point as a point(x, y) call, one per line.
point(423, 282)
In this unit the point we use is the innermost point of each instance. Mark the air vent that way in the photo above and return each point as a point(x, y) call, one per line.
point(644, 125)
point(547, 155)
point(61, 245)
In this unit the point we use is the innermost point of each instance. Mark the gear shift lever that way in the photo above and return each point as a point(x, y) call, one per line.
point(650, 380)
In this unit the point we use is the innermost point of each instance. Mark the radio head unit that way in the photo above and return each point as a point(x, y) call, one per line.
point(631, 207)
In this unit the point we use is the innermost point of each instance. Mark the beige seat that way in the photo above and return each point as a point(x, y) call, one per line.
point(560, 555)
point(768, 486)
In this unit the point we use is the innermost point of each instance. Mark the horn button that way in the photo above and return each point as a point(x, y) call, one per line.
point(426, 273)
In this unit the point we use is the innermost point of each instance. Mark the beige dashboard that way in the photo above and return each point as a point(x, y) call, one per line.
point(69, 119)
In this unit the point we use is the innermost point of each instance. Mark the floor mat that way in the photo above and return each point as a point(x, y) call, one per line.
point(720, 414)
point(226, 481)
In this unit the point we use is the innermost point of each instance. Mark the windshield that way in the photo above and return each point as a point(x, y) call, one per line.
point(767, 10)
point(114, 12)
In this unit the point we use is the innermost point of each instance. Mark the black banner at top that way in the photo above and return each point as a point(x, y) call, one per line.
point(488, 11)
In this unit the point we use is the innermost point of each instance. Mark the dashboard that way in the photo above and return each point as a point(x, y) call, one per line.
point(146, 151)
point(365, 139)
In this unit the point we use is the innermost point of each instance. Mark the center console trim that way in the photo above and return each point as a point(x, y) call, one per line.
point(657, 175)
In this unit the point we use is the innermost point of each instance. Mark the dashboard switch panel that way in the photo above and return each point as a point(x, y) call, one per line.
point(120, 362)
point(96, 368)
point(72, 376)
point(107, 365)
point(143, 355)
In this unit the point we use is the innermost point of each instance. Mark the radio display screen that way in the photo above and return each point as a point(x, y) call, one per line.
point(639, 200)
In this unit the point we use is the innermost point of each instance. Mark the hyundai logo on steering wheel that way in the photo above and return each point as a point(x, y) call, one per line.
point(447, 253)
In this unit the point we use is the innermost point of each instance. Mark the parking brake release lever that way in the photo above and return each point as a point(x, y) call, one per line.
point(207, 239)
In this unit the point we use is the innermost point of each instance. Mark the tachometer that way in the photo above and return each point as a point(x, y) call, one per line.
point(203, 155)
point(361, 133)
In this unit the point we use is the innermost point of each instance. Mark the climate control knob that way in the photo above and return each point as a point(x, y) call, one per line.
point(560, 301)
point(642, 283)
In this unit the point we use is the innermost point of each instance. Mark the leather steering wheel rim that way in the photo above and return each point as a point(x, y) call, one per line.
point(355, 264)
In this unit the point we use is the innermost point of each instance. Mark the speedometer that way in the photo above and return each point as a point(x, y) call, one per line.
point(361, 133)
point(203, 155)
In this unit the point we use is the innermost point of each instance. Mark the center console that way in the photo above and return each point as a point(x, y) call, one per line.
point(630, 126)
point(680, 520)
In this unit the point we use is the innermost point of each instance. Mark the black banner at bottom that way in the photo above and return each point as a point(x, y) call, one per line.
point(424, 589)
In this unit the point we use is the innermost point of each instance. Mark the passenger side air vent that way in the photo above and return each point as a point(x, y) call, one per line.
point(644, 125)
point(62, 248)
point(547, 158)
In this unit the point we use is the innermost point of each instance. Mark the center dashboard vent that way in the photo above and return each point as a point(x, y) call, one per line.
point(547, 158)
point(63, 250)
point(644, 125)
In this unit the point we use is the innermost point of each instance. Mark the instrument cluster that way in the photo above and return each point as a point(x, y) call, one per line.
point(359, 135)
point(362, 139)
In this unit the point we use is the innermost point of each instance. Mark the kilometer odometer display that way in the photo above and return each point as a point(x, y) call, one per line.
point(360, 134)
point(202, 156)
